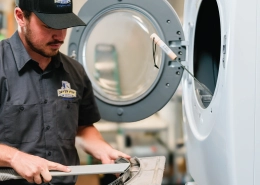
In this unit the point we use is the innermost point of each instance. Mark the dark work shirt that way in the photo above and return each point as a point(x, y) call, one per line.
point(40, 111)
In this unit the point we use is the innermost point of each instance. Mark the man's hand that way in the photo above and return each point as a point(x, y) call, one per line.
point(93, 143)
point(109, 155)
point(35, 169)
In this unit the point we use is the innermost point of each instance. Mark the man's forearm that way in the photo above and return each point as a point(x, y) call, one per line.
point(89, 132)
point(93, 143)
point(6, 155)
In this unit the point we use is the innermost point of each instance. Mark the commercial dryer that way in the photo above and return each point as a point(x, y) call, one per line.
point(218, 43)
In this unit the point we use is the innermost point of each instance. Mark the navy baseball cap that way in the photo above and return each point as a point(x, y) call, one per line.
point(56, 14)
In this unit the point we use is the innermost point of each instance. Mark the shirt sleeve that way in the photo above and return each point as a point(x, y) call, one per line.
point(88, 110)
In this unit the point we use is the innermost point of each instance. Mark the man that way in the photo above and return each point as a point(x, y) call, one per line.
point(46, 98)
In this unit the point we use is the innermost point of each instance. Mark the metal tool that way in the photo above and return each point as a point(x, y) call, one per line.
point(137, 171)
point(173, 56)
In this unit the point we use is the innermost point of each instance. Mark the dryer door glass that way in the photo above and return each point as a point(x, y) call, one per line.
point(116, 52)
point(118, 56)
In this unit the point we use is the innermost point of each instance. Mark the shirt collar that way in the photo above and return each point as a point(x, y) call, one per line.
point(22, 57)
point(20, 54)
point(58, 62)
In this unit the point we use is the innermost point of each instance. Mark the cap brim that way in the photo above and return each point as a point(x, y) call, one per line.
point(60, 21)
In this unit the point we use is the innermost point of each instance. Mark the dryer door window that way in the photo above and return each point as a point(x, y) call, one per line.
point(117, 53)
point(115, 56)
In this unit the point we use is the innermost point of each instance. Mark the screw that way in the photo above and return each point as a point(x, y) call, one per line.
point(73, 54)
point(178, 32)
point(120, 112)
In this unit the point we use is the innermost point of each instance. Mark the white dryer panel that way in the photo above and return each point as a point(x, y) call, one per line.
point(221, 137)
point(257, 111)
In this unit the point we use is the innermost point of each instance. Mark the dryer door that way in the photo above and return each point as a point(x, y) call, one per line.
point(117, 53)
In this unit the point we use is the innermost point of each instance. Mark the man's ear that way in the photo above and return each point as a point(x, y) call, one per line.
point(19, 16)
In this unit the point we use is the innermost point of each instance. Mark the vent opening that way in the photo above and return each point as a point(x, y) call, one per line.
point(207, 50)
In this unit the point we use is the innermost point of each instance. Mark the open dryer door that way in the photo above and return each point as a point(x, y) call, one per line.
point(116, 51)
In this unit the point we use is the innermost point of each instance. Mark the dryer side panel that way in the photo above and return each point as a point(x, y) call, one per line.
point(257, 112)
point(242, 66)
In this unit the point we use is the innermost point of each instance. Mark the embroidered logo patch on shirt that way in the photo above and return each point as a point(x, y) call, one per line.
point(66, 91)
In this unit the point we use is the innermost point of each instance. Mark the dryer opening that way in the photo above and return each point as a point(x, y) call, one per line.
point(207, 49)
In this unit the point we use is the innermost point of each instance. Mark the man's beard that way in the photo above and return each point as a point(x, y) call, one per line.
point(41, 51)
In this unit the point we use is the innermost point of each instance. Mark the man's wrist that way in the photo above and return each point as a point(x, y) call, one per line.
point(13, 157)
point(7, 155)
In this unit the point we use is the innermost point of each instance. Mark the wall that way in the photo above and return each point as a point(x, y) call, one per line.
point(9, 22)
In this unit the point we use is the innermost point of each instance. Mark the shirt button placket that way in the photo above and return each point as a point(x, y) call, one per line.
point(46, 110)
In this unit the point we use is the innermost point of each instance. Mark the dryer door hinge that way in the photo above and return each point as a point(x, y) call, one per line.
point(179, 48)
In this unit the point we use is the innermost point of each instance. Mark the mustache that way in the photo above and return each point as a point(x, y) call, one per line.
point(55, 42)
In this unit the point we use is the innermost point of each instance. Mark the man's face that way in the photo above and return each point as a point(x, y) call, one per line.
point(41, 39)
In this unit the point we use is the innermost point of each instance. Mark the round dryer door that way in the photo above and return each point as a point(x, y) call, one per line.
point(117, 53)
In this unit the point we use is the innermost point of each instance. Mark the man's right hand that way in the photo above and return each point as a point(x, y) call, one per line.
point(35, 169)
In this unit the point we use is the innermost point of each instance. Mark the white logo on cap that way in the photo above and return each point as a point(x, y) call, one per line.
point(62, 1)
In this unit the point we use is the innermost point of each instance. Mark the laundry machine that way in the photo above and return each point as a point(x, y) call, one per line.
point(221, 131)
point(217, 43)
